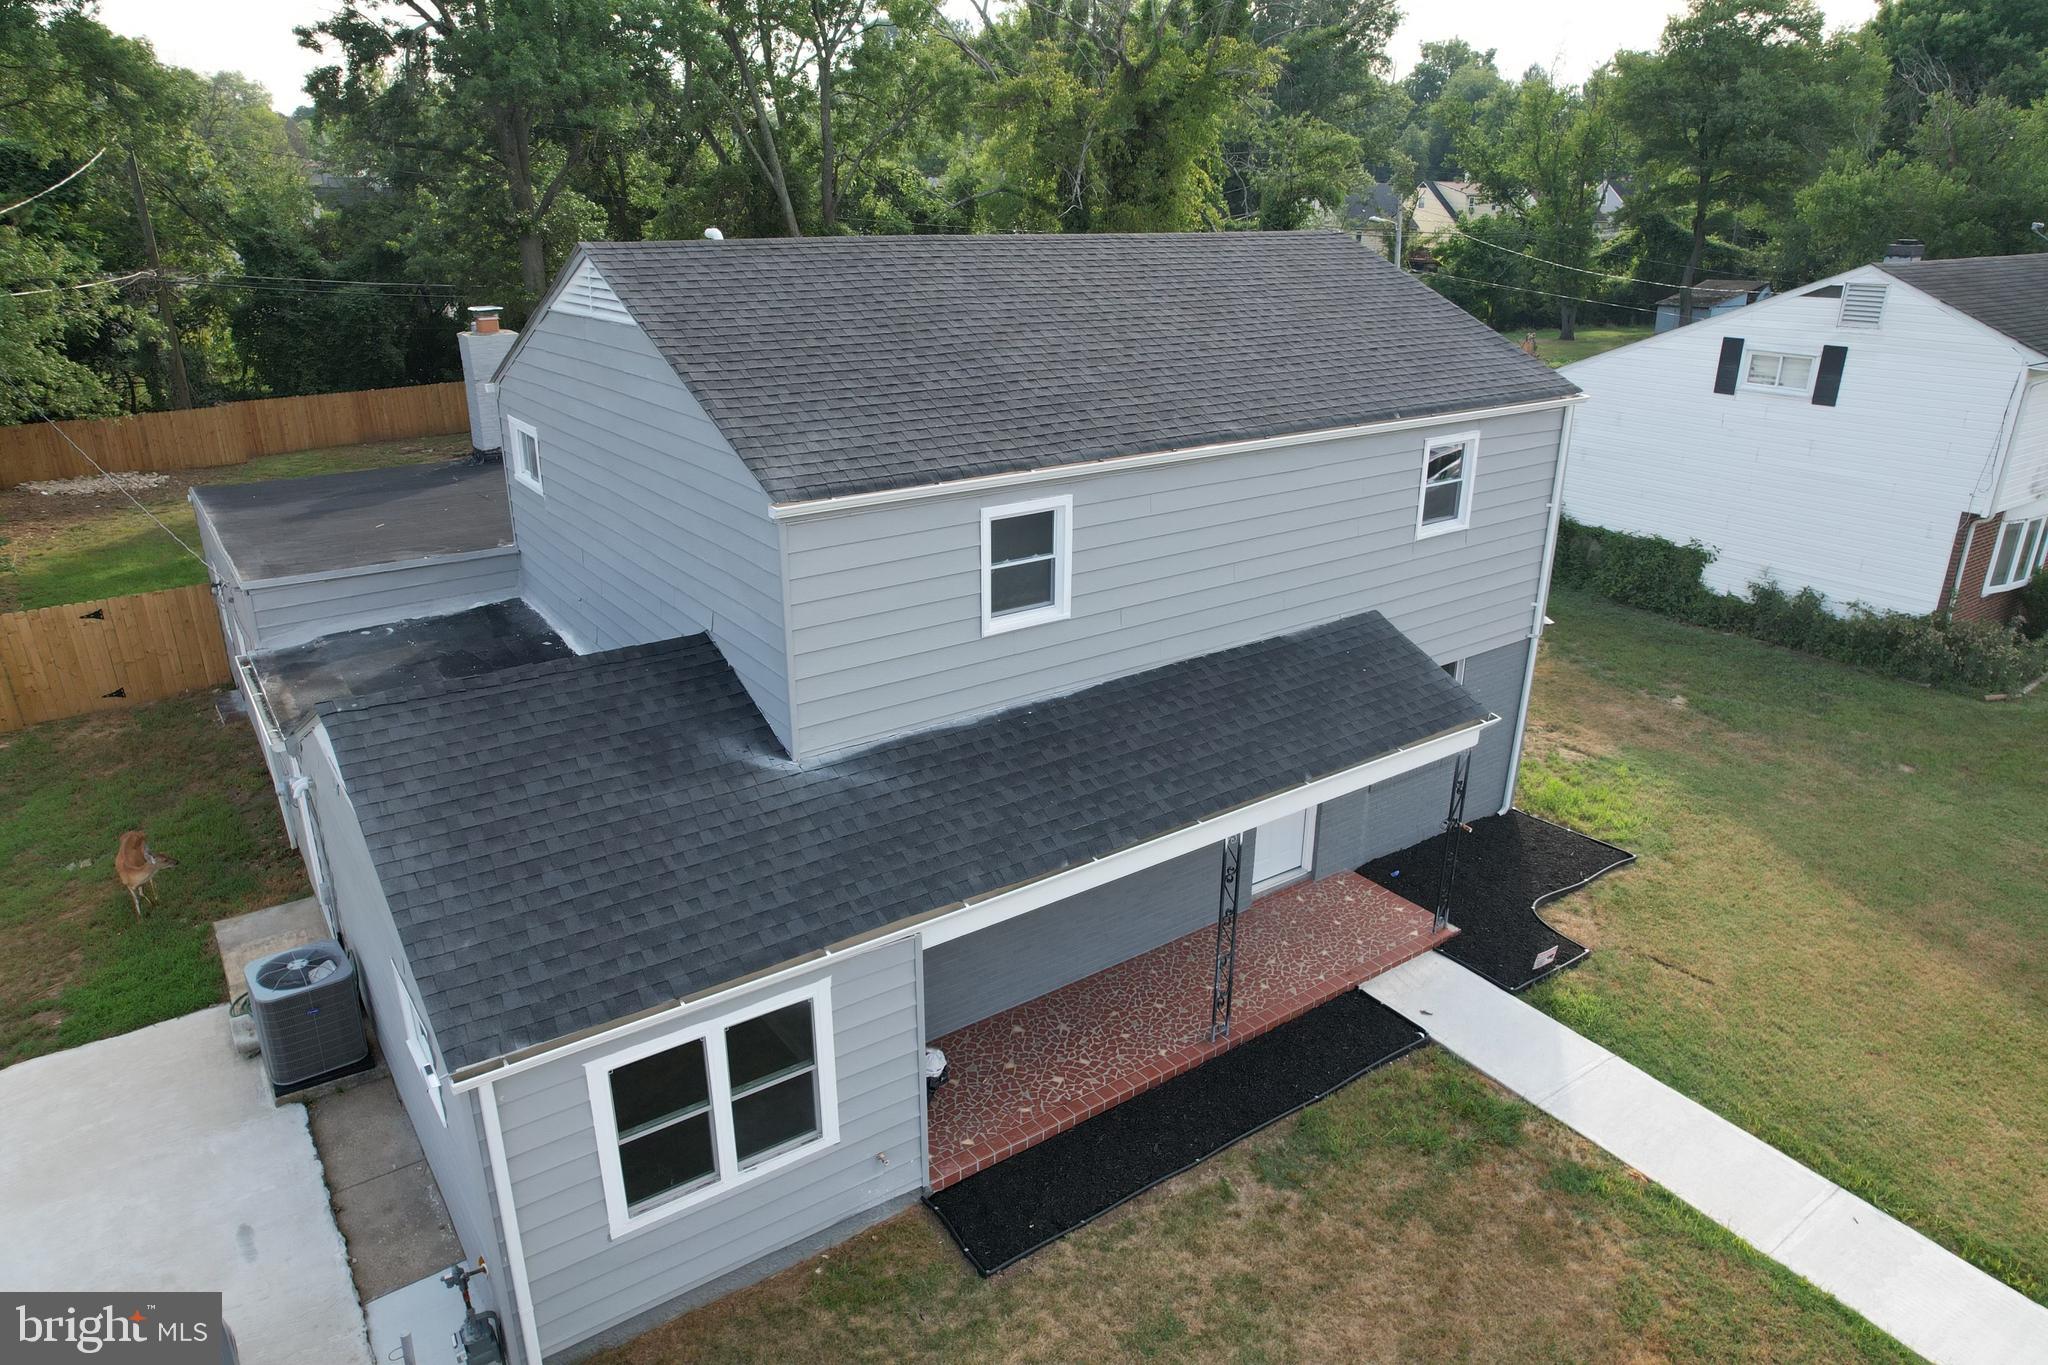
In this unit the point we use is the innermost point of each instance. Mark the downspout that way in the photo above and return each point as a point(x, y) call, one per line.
point(1564, 446)
point(508, 1217)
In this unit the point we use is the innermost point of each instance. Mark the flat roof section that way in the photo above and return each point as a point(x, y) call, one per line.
point(283, 527)
point(426, 651)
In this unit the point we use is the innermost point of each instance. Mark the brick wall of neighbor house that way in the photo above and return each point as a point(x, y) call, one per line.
point(1969, 601)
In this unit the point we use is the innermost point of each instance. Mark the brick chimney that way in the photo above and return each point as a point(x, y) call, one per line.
point(1905, 249)
point(484, 347)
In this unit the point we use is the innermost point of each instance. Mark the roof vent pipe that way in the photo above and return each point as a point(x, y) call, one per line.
point(713, 235)
point(1905, 249)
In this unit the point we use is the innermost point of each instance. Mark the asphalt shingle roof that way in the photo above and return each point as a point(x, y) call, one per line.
point(2006, 293)
point(572, 842)
point(857, 364)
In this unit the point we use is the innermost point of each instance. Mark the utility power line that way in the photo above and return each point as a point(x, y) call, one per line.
point(102, 471)
point(1520, 289)
point(1602, 274)
point(58, 186)
point(88, 284)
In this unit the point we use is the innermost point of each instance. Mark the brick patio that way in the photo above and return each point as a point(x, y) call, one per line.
point(1021, 1076)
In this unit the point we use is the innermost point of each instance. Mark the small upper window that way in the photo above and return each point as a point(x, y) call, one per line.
point(713, 1106)
point(2022, 548)
point(1448, 467)
point(1026, 563)
point(524, 443)
point(1780, 372)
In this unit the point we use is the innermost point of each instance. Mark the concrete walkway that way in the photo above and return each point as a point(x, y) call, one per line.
point(156, 1161)
point(1930, 1299)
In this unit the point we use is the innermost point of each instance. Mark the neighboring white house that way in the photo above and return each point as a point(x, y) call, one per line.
point(1880, 437)
point(1711, 298)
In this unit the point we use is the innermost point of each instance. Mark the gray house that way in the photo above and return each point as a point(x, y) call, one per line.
point(900, 632)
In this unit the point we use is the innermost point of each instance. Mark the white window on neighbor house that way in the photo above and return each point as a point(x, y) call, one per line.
point(522, 445)
point(2021, 549)
point(417, 1045)
point(1450, 466)
point(1862, 305)
point(1027, 569)
point(720, 1104)
point(1780, 372)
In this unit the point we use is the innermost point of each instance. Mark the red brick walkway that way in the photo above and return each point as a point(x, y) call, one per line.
point(1023, 1075)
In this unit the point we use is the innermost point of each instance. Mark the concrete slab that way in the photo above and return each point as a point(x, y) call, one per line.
point(244, 938)
point(428, 1312)
point(386, 1202)
point(1929, 1298)
point(156, 1160)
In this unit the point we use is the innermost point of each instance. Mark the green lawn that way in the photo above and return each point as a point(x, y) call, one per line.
point(1837, 935)
point(1589, 341)
point(56, 549)
point(1419, 1214)
point(75, 962)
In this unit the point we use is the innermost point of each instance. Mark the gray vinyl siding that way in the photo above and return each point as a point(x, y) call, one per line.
point(584, 1282)
point(1411, 807)
point(648, 526)
point(1170, 562)
point(987, 972)
point(291, 611)
point(364, 919)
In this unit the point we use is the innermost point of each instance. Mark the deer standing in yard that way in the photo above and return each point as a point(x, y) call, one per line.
point(136, 864)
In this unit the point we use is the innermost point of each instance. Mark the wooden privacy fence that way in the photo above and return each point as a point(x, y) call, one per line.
point(94, 656)
point(232, 432)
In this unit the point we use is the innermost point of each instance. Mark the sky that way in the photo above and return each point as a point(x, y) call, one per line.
point(254, 37)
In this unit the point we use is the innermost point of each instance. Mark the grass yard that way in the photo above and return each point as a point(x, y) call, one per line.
point(1589, 341)
point(1837, 935)
point(56, 549)
point(1419, 1214)
point(75, 963)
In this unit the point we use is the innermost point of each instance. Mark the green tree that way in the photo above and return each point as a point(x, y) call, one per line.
point(1738, 106)
point(1968, 49)
point(1543, 156)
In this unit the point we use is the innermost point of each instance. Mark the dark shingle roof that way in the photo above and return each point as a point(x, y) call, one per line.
point(2006, 293)
point(570, 843)
point(280, 527)
point(851, 365)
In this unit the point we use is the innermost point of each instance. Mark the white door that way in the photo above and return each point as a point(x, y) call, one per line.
point(1281, 850)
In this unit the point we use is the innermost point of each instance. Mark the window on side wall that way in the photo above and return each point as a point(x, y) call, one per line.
point(523, 446)
point(1026, 564)
point(1449, 469)
point(417, 1045)
point(2021, 549)
point(684, 1116)
point(1780, 372)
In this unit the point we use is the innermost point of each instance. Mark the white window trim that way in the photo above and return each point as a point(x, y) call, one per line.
point(514, 427)
point(1470, 492)
point(416, 1048)
point(1812, 372)
point(730, 1174)
point(1062, 606)
point(2026, 571)
point(1456, 670)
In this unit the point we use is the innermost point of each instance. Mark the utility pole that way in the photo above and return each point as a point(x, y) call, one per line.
point(166, 306)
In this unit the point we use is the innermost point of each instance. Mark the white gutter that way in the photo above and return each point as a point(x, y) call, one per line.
point(1564, 448)
point(854, 502)
point(998, 906)
point(508, 1217)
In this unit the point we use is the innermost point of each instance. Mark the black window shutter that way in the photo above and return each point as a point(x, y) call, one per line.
point(1731, 365)
point(1828, 383)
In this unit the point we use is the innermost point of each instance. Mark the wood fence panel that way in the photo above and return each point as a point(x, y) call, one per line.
point(68, 660)
point(232, 432)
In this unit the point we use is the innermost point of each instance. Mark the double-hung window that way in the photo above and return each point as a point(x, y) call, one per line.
point(522, 444)
point(684, 1116)
point(1450, 465)
point(2022, 548)
point(1026, 563)
point(1779, 372)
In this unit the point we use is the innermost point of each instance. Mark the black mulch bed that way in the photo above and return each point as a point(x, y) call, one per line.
point(1010, 1210)
point(1507, 866)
